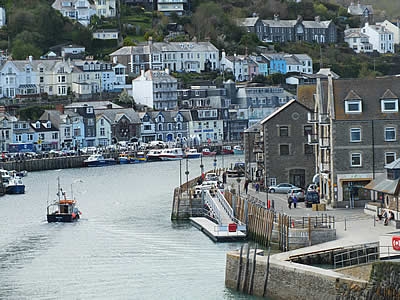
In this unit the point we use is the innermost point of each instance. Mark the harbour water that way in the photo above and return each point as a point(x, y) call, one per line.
point(123, 247)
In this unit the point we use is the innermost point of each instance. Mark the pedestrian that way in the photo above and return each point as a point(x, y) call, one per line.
point(290, 202)
point(257, 186)
point(224, 178)
point(246, 186)
point(294, 201)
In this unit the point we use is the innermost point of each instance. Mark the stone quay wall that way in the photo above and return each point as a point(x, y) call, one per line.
point(292, 281)
point(55, 163)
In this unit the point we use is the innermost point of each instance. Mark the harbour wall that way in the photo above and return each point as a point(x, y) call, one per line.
point(279, 279)
point(31, 165)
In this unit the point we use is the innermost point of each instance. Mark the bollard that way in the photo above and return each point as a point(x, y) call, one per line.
point(345, 225)
point(269, 204)
point(273, 203)
point(374, 221)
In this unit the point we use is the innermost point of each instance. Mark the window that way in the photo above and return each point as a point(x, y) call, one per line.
point(390, 134)
point(308, 149)
point(355, 135)
point(90, 122)
point(102, 131)
point(307, 130)
point(54, 135)
point(283, 149)
point(283, 131)
point(30, 137)
point(389, 105)
point(356, 159)
point(353, 106)
point(390, 157)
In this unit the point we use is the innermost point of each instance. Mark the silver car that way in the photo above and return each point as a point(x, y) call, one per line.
point(281, 188)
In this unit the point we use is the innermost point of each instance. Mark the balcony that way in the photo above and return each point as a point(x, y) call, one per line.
point(260, 157)
point(324, 167)
point(323, 119)
point(312, 139)
point(324, 142)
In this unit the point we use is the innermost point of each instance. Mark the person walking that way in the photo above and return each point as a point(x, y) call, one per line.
point(257, 186)
point(246, 186)
point(290, 202)
point(294, 201)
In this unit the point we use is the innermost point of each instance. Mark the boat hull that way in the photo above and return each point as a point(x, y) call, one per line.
point(197, 155)
point(15, 189)
point(238, 152)
point(61, 218)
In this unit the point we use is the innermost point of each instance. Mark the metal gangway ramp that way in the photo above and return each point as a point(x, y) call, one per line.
point(219, 222)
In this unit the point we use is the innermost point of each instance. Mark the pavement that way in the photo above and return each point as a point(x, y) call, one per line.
point(353, 226)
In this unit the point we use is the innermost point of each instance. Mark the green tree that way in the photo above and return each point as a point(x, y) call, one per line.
point(21, 50)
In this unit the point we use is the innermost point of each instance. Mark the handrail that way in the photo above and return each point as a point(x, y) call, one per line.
point(210, 202)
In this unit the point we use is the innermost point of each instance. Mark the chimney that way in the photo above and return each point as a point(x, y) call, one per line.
point(115, 59)
point(167, 71)
point(276, 17)
point(109, 106)
point(60, 108)
point(142, 73)
point(30, 58)
point(150, 41)
point(317, 19)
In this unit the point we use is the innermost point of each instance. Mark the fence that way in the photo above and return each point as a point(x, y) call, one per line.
point(356, 255)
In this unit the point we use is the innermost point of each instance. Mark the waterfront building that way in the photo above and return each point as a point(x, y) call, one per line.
point(202, 96)
point(6, 129)
point(156, 89)
point(355, 125)
point(45, 134)
point(206, 125)
point(89, 122)
point(103, 130)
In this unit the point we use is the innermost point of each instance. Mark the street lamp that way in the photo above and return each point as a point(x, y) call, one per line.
point(187, 176)
point(215, 162)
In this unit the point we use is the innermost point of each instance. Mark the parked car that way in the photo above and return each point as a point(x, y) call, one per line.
point(311, 198)
point(298, 192)
point(281, 188)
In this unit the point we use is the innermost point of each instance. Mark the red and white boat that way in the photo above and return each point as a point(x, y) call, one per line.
point(207, 152)
point(171, 154)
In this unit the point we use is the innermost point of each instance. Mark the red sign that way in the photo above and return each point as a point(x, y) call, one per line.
point(396, 243)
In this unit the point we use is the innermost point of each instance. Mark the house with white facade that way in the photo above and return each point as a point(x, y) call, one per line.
point(103, 130)
point(238, 65)
point(167, 7)
point(357, 40)
point(393, 27)
point(78, 10)
point(47, 134)
point(106, 34)
point(175, 56)
point(381, 39)
point(105, 8)
point(2, 16)
point(72, 50)
point(156, 89)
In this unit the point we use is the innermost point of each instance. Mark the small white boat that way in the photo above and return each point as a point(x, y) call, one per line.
point(207, 152)
point(238, 149)
point(154, 155)
point(15, 186)
point(192, 153)
point(171, 154)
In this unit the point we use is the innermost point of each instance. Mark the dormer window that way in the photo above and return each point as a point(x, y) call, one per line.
point(89, 110)
point(353, 106)
point(37, 125)
point(48, 124)
point(389, 105)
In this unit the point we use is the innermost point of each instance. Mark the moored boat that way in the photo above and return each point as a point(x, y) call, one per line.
point(207, 152)
point(125, 158)
point(62, 209)
point(98, 160)
point(226, 150)
point(192, 153)
point(171, 154)
point(238, 149)
point(15, 185)
point(139, 157)
point(154, 155)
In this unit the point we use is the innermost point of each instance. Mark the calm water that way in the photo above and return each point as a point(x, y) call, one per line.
point(125, 245)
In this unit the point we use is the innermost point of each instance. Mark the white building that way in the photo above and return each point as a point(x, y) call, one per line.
point(395, 28)
point(106, 34)
point(2, 17)
point(103, 130)
point(167, 7)
point(381, 39)
point(105, 8)
point(156, 89)
point(357, 41)
point(78, 10)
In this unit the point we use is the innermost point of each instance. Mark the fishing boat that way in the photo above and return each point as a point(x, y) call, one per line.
point(171, 154)
point(192, 153)
point(226, 150)
point(62, 209)
point(124, 158)
point(15, 185)
point(207, 152)
point(98, 160)
point(139, 157)
point(238, 149)
point(154, 155)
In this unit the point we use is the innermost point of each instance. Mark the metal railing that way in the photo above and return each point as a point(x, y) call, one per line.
point(356, 255)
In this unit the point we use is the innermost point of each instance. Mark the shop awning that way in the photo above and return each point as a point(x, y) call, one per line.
point(384, 185)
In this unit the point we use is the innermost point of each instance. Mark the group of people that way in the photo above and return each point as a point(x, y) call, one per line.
point(386, 216)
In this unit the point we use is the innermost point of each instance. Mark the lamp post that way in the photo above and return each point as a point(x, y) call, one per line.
point(201, 167)
point(215, 162)
point(187, 176)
